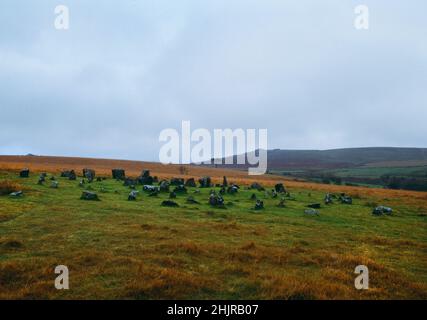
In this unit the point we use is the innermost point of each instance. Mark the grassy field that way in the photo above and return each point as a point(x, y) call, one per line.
point(118, 249)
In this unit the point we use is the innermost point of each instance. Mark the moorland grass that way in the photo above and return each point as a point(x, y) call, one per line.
point(119, 249)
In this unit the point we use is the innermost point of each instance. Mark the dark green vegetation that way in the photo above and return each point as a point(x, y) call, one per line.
point(394, 168)
point(139, 249)
point(408, 178)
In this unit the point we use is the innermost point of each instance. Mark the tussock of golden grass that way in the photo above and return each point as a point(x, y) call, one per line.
point(248, 246)
point(7, 187)
point(396, 243)
point(8, 245)
point(168, 283)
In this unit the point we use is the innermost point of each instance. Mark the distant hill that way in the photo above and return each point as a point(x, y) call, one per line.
point(344, 158)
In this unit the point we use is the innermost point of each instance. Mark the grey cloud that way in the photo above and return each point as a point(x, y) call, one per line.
point(127, 70)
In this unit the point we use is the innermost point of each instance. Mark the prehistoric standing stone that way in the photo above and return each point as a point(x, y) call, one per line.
point(259, 205)
point(205, 182)
point(224, 182)
point(72, 175)
point(190, 183)
point(132, 195)
point(280, 188)
point(216, 200)
point(89, 174)
point(164, 186)
point(145, 178)
point(24, 173)
point(41, 179)
point(328, 199)
point(118, 174)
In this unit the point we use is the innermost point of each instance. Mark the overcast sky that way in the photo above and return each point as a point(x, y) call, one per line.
point(125, 70)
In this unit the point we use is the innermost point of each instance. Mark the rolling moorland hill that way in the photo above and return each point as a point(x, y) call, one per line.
point(279, 159)
point(394, 168)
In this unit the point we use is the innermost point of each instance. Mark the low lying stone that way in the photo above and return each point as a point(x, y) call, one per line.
point(91, 196)
point(130, 182)
point(257, 186)
point(169, 203)
point(346, 199)
point(149, 188)
point(154, 193)
point(65, 173)
point(176, 181)
point(233, 189)
point(382, 210)
point(191, 200)
point(282, 204)
point(17, 194)
point(311, 212)
point(180, 189)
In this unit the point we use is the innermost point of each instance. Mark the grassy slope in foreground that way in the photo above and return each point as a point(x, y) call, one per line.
point(120, 249)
